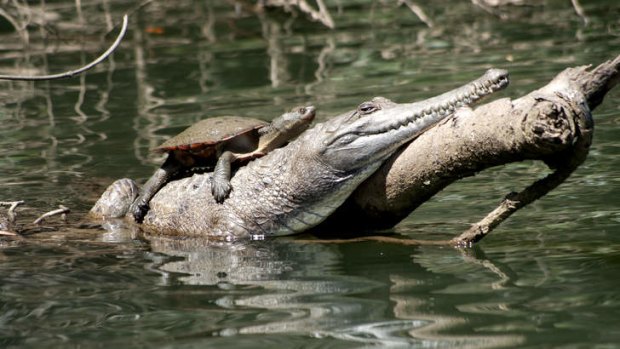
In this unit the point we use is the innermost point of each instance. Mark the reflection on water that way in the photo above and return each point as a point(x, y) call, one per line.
point(78, 290)
point(545, 279)
point(301, 288)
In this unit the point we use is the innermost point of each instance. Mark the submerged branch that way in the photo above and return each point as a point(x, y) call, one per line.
point(580, 12)
point(62, 211)
point(19, 29)
point(12, 206)
point(10, 228)
point(72, 73)
point(321, 15)
point(418, 11)
point(7, 223)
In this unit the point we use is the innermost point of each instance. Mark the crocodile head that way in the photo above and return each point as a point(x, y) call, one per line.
point(377, 128)
point(366, 135)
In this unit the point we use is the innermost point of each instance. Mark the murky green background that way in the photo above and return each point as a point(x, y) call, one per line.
point(547, 278)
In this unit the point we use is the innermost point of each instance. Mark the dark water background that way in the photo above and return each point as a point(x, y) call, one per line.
point(548, 277)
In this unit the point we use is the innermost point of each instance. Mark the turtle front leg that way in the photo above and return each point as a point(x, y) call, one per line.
point(220, 183)
point(163, 175)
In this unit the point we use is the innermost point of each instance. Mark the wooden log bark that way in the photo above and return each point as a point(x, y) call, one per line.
point(552, 124)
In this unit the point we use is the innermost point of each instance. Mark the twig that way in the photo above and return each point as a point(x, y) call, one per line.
point(72, 73)
point(322, 15)
point(12, 206)
point(20, 29)
point(580, 12)
point(61, 211)
point(325, 18)
point(512, 203)
point(417, 10)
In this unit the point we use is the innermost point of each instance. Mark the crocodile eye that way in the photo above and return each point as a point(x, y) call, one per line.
point(367, 107)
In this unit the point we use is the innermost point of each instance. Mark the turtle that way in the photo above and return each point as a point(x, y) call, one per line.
point(216, 143)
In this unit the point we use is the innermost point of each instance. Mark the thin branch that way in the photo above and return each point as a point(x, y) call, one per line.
point(325, 17)
point(61, 211)
point(72, 73)
point(11, 212)
point(580, 12)
point(11, 203)
point(417, 10)
point(511, 204)
point(322, 15)
point(20, 29)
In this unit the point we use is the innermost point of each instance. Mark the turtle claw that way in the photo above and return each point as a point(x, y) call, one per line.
point(138, 211)
point(220, 190)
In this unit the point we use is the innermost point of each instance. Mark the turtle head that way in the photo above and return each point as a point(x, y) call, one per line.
point(296, 121)
point(287, 126)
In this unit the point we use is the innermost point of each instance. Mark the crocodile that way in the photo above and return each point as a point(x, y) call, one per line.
point(295, 188)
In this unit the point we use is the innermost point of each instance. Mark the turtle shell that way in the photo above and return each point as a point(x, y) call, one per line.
point(213, 131)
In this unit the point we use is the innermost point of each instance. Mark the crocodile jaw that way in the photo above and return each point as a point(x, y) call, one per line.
point(360, 143)
point(377, 128)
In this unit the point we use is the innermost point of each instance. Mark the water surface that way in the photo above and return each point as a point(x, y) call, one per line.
point(546, 278)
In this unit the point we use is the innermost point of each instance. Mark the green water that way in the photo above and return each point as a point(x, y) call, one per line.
point(547, 278)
